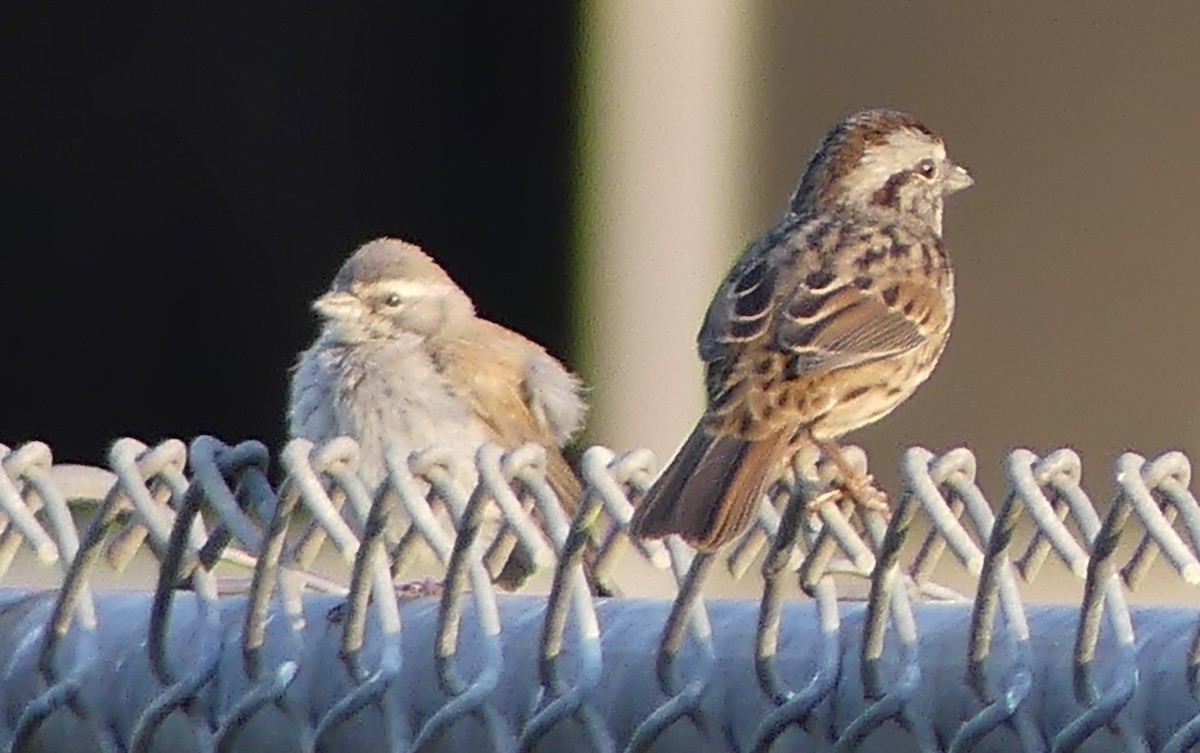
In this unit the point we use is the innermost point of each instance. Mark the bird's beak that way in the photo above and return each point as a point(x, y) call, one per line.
point(335, 304)
point(957, 178)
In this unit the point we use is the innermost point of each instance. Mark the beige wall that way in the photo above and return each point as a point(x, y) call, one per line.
point(667, 121)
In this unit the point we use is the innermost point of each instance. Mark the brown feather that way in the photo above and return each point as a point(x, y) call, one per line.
point(499, 399)
point(861, 328)
point(711, 490)
point(826, 323)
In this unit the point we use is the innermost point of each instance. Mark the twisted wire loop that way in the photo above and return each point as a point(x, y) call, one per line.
point(370, 585)
point(464, 564)
point(189, 555)
point(560, 701)
point(796, 492)
point(292, 658)
point(25, 490)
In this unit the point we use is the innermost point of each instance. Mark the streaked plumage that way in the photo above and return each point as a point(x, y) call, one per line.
point(826, 323)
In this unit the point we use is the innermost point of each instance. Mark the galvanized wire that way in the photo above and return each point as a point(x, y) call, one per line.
point(301, 660)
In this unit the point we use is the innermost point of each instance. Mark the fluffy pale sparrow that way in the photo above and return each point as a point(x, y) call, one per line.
point(403, 359)
point(825, 324)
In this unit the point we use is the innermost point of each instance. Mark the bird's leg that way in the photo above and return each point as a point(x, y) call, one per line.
point(860, 486)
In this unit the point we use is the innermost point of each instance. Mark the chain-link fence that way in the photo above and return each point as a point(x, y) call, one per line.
point(285, 657)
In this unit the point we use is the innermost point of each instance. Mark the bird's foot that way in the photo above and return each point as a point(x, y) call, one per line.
point(866, 495)
point(854, 484)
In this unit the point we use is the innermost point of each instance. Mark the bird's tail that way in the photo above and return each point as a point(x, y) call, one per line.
point(567, 487)
point(712, 489)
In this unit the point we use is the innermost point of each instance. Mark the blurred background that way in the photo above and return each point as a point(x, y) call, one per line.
point(180, 183)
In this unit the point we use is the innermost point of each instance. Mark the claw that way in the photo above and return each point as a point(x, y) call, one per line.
point(865, 495)
point(873, 498)
point(860, 487)
point(831, 495)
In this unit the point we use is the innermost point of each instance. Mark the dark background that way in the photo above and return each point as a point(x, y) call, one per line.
point(179, 185)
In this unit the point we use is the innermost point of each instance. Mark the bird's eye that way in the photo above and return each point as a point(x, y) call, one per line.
point(392, 300)
point(927, 168)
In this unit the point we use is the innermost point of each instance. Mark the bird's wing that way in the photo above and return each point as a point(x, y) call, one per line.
point(797, 291)
point(848, 326)
point(516, 387)
point(520, 394)
point(741, 312)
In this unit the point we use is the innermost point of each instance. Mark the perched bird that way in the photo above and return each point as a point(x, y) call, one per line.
point(825, 324)
point(403, 359)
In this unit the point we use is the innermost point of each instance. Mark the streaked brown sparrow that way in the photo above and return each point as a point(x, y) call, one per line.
point(825, 324)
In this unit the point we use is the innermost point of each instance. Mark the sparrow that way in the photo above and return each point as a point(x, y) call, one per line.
point(403, 359)
point(825, 324)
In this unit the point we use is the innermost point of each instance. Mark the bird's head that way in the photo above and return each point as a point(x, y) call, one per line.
point(389, 289)
point(883, 160)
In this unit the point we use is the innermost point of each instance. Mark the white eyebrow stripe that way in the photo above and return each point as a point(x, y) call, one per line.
point(916, 145)
point(902, 151)
point(411, 288)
